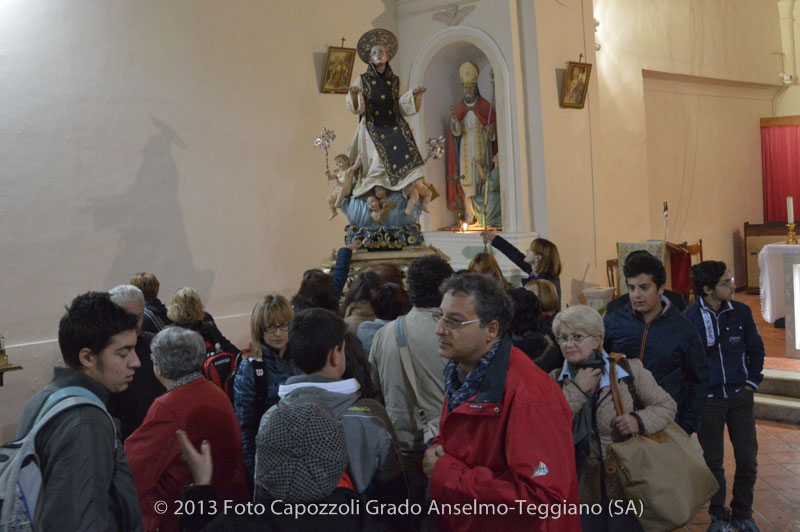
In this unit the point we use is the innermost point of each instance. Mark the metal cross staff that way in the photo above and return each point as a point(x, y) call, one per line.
point(323, 141)
point(489, 144)
point(435, 148)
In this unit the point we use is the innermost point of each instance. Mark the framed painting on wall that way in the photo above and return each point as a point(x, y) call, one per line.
point(576, 84)
point(338, 70)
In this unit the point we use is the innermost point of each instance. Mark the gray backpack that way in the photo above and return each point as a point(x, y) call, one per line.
point(20, 475)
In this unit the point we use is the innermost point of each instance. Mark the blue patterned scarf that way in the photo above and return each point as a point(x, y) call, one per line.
point(457, 393)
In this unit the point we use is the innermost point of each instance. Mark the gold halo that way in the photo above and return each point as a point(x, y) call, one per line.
point(380, 36)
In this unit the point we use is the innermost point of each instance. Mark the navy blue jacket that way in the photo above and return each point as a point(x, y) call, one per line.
point(733, 345)
point(671, 350)
point(155, 316)
point(210, 332)
point(517, 257)
point(341, 269)
point(247, 404)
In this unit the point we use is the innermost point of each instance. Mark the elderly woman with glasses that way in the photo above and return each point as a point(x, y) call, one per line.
point(257, 379)
point(192, 404)
point(584, 379)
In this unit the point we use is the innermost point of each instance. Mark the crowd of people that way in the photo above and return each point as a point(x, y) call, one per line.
point(421, 401)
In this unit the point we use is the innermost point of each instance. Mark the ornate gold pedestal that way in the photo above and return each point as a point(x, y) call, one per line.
point(363, 259)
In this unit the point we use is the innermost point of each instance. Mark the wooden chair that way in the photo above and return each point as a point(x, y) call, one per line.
point(695, 251)
point(612, 274)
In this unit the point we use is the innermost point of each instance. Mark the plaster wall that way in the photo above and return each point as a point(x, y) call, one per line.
point(704, 158)
point(611, 138)
point(172, 137)
point(787, 101)
point(570, 185)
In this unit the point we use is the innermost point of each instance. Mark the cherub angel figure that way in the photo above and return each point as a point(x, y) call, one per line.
point(343, 177)
point(379, 207)
point(375, 208)
point(416, 190)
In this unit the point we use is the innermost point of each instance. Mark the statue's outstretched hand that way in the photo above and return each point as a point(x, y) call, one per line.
point(354, 90)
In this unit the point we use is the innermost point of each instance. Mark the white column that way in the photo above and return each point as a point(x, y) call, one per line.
point(786, 10)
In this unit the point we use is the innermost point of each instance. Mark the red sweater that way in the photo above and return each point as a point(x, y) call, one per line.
point(204, 411)
point(510, 442)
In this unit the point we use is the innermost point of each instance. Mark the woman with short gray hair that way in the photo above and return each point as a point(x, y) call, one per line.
point(177, 353)
point(585, 381)
point(192, 404)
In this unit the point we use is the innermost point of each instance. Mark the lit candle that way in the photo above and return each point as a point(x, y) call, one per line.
point(789, 210)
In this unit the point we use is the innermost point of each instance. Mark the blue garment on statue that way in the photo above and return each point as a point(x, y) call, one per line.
point(357, 211)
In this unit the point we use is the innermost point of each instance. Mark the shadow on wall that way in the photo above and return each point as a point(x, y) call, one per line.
point(149, 219)
point(385, 19)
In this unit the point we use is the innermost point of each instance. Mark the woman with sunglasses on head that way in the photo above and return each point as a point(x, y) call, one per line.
point(584, 379)
point(257, 379)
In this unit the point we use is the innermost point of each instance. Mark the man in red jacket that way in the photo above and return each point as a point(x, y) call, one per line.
point(504, 455)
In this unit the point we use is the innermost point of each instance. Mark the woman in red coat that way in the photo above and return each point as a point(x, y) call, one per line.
point(195, 405)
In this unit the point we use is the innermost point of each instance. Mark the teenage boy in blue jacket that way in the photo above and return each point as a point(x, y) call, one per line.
point(649, 327)
point(735, 358)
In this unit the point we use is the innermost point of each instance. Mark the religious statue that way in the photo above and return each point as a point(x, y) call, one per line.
point(453, 15)
point(343, 181)
point(384, 208)
point(487, 205)
point(383, 139)
point(472, 142)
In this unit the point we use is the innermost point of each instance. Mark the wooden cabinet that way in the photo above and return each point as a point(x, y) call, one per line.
point(756, 236)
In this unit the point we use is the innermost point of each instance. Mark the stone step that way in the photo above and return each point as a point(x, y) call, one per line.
point(777, 408)
point(781, 383)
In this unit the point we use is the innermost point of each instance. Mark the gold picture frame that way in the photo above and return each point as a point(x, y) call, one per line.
point(576, 85)
point(338, 70)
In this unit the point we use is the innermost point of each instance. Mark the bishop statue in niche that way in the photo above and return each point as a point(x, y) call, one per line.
point(473, 178)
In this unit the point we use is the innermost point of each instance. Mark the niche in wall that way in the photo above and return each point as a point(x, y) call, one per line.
point(444, 92)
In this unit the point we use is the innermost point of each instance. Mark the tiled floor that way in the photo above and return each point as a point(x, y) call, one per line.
point(776, 505)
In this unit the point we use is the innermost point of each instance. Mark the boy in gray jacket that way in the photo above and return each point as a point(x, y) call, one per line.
point(316, 345)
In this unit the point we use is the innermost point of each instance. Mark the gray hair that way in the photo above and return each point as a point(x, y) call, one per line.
point(580, 318)
point(178, 352)
point(126, 293)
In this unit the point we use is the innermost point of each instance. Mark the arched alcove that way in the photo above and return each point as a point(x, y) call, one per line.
point(436, 68)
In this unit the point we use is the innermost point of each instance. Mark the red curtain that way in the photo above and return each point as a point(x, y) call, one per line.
point(780, 159)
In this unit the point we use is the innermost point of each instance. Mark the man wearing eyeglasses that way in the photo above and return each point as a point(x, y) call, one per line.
point(735, 357)
point(505, 437)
